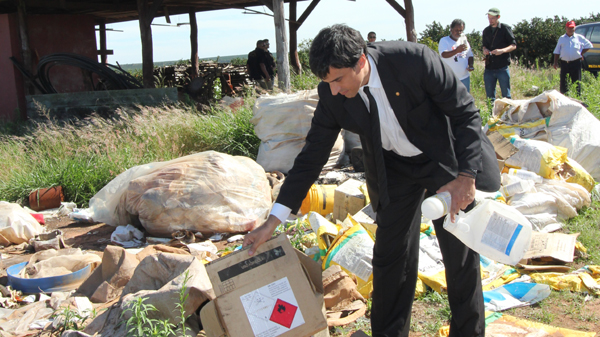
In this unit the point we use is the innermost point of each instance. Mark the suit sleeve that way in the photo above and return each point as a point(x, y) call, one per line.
point(308, 164)
point(453, 100)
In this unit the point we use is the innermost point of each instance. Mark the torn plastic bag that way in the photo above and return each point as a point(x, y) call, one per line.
point(16, 224)
point(203, 192)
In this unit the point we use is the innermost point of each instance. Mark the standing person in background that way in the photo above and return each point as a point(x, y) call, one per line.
point(456, 52)
point(269, 63)
point(255, 65)
point(570, 49)
point(372, 37)
point(498, 41)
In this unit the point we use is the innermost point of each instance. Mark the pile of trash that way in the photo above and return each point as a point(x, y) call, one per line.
point(169, 218)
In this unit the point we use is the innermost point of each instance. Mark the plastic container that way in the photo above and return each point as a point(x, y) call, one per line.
point(50, 284)
point(319, 199)
point(436, 206)
point(522, 186)
point(480, 196)
point(524, 174)
point(46, 198)
point(494, 230)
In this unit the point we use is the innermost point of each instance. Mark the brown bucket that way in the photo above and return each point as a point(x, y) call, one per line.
point(46, 198)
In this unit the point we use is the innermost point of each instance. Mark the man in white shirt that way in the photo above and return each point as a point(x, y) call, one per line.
point(570, 49)
point(421, 134)
point(456, 52)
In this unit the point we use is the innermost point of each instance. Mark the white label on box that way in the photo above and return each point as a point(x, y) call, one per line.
point(272, 310)
point(356, 254)
point(501, 233)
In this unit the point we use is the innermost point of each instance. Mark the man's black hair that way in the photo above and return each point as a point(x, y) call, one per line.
point(338, 46)
point(259, 43)
point(373, 33)
point(457, 22)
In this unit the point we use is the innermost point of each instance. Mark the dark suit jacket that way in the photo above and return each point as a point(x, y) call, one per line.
point(435, 111)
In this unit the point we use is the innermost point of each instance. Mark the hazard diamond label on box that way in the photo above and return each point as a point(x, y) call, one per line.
point(283, 313)
point(272, 310)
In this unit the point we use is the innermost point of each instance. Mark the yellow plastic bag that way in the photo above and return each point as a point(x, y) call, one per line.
point(353, 252)
point(540, 157)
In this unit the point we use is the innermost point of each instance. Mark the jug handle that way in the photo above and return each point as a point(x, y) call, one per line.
point(462, 226)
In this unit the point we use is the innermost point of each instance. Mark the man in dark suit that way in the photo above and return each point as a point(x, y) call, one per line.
point(421, 134)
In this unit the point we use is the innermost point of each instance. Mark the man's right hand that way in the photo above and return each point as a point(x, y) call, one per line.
point(555, 66)
point(260, 234)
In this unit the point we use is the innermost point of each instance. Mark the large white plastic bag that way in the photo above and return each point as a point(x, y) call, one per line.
point(282, 123)
point(16, 224)
point(205, 192)
point(573, 127)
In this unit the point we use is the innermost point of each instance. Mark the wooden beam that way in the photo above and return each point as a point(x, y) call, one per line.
point(294, 61)
point(194, 43)
point(409, 19)
point(397, 7)
point(146, 14)
point(108, 52)
point(283, 65)
point(103, 51)
point(267, 3)
point(25, 49)
point(307, 12)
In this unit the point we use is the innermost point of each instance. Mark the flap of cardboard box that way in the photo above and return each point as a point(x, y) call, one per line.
point(503, 147)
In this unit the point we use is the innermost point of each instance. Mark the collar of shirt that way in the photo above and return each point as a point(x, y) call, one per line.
point(374, 80)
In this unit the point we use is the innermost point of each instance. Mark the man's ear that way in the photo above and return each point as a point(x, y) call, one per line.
point(362, 61)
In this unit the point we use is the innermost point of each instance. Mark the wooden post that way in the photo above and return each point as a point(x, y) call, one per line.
point(294, 61)
point(194, 43)
point(409, 18)
point(283, 65)
point(25, 50)
point(103, 51)
point(411, 33)
point(146, 14)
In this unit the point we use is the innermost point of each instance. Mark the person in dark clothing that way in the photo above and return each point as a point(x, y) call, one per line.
point(421, 134)
point(256, 66)
point(269, 61)
point(498, 41)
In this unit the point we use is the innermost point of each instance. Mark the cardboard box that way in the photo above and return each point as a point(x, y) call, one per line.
point(276, 292)
point(503, 147)
point(348, 199)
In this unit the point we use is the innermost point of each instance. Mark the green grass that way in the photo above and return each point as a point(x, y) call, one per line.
point(82, 157)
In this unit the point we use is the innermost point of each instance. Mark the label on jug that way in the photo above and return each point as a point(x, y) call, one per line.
point(501, 233)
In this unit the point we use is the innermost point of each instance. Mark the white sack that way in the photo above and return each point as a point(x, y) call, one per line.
point(16, 224)
point(282, 123)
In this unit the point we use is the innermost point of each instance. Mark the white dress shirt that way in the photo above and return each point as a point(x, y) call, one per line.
point(570, 47)
point(393, 137)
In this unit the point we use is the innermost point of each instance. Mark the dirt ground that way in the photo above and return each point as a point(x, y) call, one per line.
point(573, 311)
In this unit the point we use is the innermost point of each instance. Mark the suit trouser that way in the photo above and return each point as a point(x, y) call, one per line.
point(396, 254)
point(573, 69)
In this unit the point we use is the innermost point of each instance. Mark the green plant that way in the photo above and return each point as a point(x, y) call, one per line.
point(238, 61)
point(183, 296)
point(140, 325)
point(71, 319)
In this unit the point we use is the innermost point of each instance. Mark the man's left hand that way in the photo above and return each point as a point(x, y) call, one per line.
point(462, 190)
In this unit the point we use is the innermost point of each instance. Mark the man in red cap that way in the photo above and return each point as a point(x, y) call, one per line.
point(570, 49)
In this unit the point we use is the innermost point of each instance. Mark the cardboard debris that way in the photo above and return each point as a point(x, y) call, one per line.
point(276, 292)
point(504, 149)
point(556, 245)
point(348, 199)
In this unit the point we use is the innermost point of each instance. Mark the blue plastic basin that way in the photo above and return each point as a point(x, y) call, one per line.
point(46, 284)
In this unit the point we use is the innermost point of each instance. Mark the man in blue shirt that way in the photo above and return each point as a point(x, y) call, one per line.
point(570, 49)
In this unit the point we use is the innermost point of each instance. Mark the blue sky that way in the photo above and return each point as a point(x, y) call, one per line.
point(231, 32)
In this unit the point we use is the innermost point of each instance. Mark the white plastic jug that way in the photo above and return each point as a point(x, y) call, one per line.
point(494, 230)
point(522, 186)
point(524, 174)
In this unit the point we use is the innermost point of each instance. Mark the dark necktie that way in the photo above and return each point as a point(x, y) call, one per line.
point(384, 198)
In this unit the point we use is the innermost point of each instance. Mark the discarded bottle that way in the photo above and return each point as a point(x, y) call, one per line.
point(524, 174)
point(481, 196)
point(495, 230)
point(436, 206)
point(521, 186)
